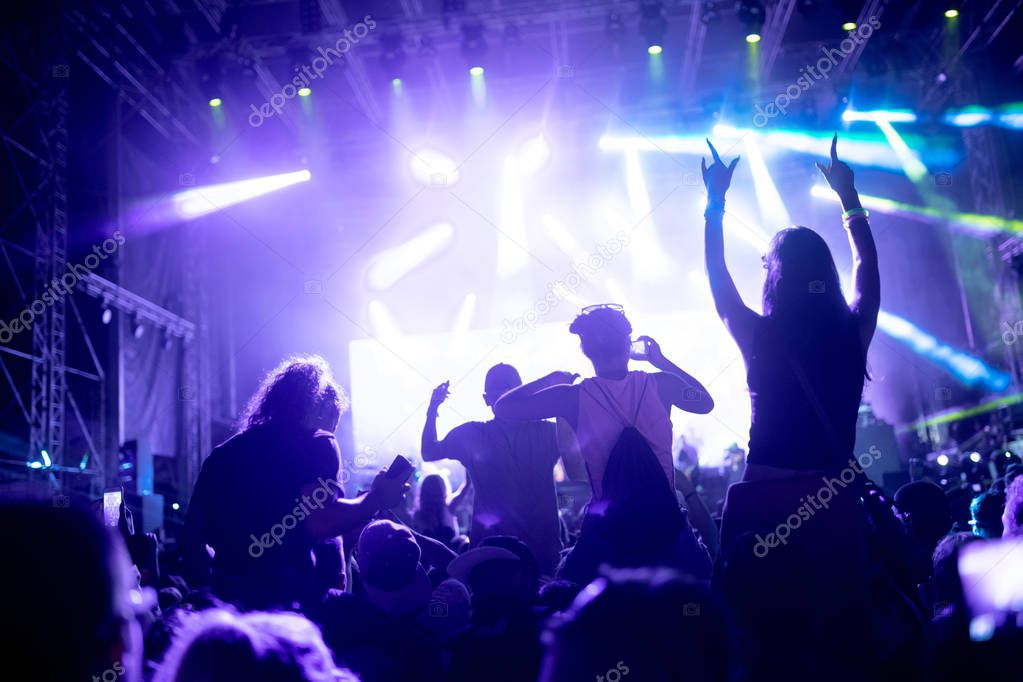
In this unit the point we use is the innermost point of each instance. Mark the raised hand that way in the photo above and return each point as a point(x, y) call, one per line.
point(837, 173)
point(440, 394)
point(653, 350)
point(718, 177)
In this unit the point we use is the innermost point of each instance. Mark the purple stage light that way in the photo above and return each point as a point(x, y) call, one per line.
point(200, 201)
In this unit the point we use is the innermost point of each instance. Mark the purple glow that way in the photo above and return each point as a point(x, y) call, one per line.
point(200, 201)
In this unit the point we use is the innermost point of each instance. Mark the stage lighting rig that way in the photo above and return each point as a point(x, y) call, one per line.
point(392, 54)
point(652, 24)
point(615, 27)
point(474, 45)
point(751, 15)
point(711, 12)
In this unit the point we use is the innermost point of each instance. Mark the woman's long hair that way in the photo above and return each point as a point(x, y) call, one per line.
point(802, 280)
point(296, 389)
point(803, 294)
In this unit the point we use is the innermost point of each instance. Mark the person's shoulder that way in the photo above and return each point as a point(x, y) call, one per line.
point(469, 428)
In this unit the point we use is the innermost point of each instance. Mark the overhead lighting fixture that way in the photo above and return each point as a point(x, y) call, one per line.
point(305, 92)
point(849, 26)
point(107, 315)
point(654, 50)
point(951, 13)
point(474, 45)
point(137, 328)
point(751, 16)
point(215, 102)
point(392, 52)
point(652, 24)
point(476, 71)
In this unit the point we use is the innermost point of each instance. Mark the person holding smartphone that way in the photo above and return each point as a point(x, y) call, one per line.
point(601, 407)
point(265, 497)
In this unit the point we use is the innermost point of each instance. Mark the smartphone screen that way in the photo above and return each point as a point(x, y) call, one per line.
point(638, 350)
point(992, 576)
point(112, 507)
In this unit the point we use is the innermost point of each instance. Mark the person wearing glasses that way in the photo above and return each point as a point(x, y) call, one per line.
point(806, 353)
point(600, 408)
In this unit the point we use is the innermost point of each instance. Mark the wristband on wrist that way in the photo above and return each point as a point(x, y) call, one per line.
point(853, 212)
point(714, 206)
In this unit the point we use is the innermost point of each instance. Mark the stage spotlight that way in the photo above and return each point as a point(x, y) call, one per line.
point(390, 266)
point(431, 167)
point(942, 460)
point(654, 50)
point(533, 155)
point(849, 26)
point(887, 115)
point(107, 315)
point(476, 71)
point(474, 45)
point(751, 16)
point(392, 52)
point(168, 340)
point(648, 254)
point(967, 117)
point(200, 201)
point(305, 92)
point(652, 24)
point(137, 328)
point(975, 457)
point(397, 87)
point(209, 75)
point(968, 369)
point(951, 13)
point(771, 205)
point(47, 462)
point(513, 240)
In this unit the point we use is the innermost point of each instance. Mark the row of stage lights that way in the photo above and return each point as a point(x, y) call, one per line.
point(652, 26)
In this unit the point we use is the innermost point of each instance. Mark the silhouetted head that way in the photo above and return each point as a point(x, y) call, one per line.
point(604, 335)
point(501, 378)
point(300, 392)
point(924, 509)
point(643, 624)
point(946, 589)
point(69, 595)
point(802, 280)
point(220, 645)
point(433, 492)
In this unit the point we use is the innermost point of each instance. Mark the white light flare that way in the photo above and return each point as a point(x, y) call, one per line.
point(391, 265)
point(648, 255)
point(201, 201)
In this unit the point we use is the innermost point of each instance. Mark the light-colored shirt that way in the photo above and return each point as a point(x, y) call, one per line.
point(607, 407)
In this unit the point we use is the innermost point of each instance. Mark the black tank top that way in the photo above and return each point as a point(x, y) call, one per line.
point(805, 384)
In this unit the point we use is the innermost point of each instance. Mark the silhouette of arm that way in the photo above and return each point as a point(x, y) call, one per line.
point(676, 386)
point(866, 276)
point(738, 319)
point(550, 396)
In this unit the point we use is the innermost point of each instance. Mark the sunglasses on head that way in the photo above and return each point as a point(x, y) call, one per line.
point(603, 306)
